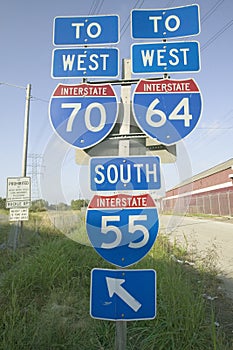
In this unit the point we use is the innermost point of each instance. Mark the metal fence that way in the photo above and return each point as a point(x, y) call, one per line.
point(215, 204)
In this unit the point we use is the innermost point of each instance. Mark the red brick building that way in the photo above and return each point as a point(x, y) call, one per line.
point(210, 192)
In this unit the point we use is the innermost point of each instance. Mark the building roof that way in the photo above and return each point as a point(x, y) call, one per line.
point(217, 168)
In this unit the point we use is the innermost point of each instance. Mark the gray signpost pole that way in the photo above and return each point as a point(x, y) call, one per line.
point(121, 326)
point(26, 124)
point(25, 139)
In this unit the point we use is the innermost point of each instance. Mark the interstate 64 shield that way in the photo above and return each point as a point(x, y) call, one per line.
point(167, 110)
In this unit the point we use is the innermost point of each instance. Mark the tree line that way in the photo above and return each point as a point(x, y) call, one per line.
point(39, 205)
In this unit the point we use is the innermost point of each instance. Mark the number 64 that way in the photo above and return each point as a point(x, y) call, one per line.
point(174, 115)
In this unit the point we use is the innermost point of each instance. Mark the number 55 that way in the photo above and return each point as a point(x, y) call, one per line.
point(132, 228)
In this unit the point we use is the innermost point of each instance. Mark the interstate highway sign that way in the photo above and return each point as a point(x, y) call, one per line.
point(123, 294)
point(165, 23)
point(167, 110)
point(122, 237)
point(125, 173)
point(88, 30)
point(165, 57)
point(85, 62)
point(83, 115)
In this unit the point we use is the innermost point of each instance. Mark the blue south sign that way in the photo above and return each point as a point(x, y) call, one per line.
point(167, 110)
point(83, 115)
point(125, 173)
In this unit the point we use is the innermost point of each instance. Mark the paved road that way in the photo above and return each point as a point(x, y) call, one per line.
point(204, 236)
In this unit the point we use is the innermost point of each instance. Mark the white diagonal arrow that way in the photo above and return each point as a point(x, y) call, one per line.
point(115, 287)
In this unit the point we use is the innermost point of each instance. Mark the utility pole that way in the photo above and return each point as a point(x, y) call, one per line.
point(25, 140)
point(26, 127)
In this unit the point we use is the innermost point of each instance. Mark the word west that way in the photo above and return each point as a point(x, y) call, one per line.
point(163, 57)
point(82, 62)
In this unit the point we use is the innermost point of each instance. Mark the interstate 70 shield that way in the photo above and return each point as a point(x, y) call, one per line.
point(83, 115)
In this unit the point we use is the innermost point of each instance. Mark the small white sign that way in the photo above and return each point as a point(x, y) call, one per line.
point(20, 214)
point(18, 192)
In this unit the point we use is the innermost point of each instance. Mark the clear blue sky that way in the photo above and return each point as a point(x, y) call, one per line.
point(26, 51)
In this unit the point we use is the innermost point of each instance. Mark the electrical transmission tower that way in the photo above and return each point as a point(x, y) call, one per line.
point(35, 169)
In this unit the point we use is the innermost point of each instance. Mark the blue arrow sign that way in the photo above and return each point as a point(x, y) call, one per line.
point(122, 237)
point(128, 173)
point(166, 57)
point(165, 23)
point(123, 294)
point(83, 115)
point(167, 110)
point(86, 62)
point(88, 30)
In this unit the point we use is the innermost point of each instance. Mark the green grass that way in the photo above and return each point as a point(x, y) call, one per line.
point(44, 299)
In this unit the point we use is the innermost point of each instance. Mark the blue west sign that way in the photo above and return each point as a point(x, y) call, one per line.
point(165, 57)
point(85, 62)
point(165, 23)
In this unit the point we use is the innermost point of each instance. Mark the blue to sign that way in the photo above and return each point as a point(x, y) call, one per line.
point(122, 228)
point(167, 57)
point(88, 62)
point(88, 30)
point(128, 173)
point(165, 23)
point(83, 115)
point(123, 294)
point(167, 110)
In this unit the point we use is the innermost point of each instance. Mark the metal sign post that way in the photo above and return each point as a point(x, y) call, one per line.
point(121, 326)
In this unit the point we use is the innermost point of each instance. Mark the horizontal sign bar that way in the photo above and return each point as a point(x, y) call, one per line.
point(88, 62)
point(165, 57)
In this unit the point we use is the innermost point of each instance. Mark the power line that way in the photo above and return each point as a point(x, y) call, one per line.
point(216, 35)
point(34, 98)
point(211, 11)
point(127, 21)
point(12, 85)
point(96, 7)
